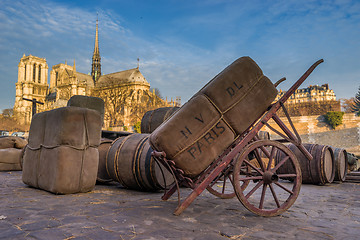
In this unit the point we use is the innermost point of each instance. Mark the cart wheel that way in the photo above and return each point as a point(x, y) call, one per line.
point(222, 186)
point(276, 194)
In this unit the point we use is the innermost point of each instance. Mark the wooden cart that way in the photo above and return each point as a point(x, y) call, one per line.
point(264, 174)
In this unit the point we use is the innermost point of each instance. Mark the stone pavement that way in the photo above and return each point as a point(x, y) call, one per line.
point(110, 212)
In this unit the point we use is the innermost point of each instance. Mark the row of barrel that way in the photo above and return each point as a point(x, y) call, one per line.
point(353, 177)
point(328, 164)
point(128, 161)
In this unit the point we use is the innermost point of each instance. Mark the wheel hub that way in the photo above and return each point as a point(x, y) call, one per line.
point(270, 177)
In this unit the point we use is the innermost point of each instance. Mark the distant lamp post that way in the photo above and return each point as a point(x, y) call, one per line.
point(34, 102)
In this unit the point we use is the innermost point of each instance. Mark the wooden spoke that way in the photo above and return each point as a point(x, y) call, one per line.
point(251, 178)
point(289, 191)
point(287, 175)
point(253, 167)
point(274, 195)
point(261, 204)
point(220, 187)
point(265, 151)
point(254, 189)
point(271, 158)
point(281, 163)
point(258, 158)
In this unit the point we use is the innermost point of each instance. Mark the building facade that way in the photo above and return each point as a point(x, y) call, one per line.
point(313, 93)
point(313, 100)
point(126, 94)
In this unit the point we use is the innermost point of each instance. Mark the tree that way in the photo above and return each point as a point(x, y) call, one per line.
point(356, 107)
point(125, 103)
point(334, 119)
point(8, 113)
point(157, 92)
point(137, 127)
point(8, 122)
point(116, 101)
point(347, 104)
point(142, 102)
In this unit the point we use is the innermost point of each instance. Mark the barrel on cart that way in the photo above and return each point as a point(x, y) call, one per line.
point(129, 162)
point(154, 118)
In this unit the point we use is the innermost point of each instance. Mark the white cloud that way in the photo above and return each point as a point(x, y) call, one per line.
point(284, 37)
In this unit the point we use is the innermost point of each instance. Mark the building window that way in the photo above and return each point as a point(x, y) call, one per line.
point(39, 77)
point(25, 74)
point(34, 71)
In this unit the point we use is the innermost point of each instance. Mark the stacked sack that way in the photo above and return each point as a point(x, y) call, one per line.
point(62, 155)
point(210, 121)
point(11, 150)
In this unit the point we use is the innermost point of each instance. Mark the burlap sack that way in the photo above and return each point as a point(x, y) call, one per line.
point(94, 103)
point(10, 155)
point(12, 142)
point(4, 167)
point(67, 170)
point(62, 155)
point(37, 129)
point(71, 125)
point(194, 136)
point(209, 122)
point(241, 93)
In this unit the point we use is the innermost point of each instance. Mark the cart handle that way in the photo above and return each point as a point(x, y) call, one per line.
point(279, 81)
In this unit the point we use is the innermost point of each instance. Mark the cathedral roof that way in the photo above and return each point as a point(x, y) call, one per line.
point(128, 76)
point(85, 78)
point(51, 97)
point(68, 71)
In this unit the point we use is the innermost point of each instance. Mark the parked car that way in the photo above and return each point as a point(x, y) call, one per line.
point(4, 133)
point(18, 134)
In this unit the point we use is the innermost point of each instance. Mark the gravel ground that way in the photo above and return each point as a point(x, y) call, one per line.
point(111, 212)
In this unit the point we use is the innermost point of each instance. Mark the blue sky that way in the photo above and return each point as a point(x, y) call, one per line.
point(182, 44)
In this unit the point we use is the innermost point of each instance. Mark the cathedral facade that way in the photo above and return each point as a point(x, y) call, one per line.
point(126, 94)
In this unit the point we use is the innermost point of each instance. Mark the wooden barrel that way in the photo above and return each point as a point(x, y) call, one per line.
point(103, 176)
point(264, 135)
point(320, 170)
point(340, 158)
point(114, 134)
point(130, 163)
point(154, 118)
point(351, 158)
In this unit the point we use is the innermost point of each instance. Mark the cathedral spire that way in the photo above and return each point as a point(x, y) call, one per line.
point(74, 68)
point(96, 59)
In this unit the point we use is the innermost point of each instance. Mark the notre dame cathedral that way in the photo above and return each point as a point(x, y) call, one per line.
point(126, 94)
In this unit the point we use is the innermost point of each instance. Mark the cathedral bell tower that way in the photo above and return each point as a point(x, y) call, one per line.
point(32, 84)
point(96, 59)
